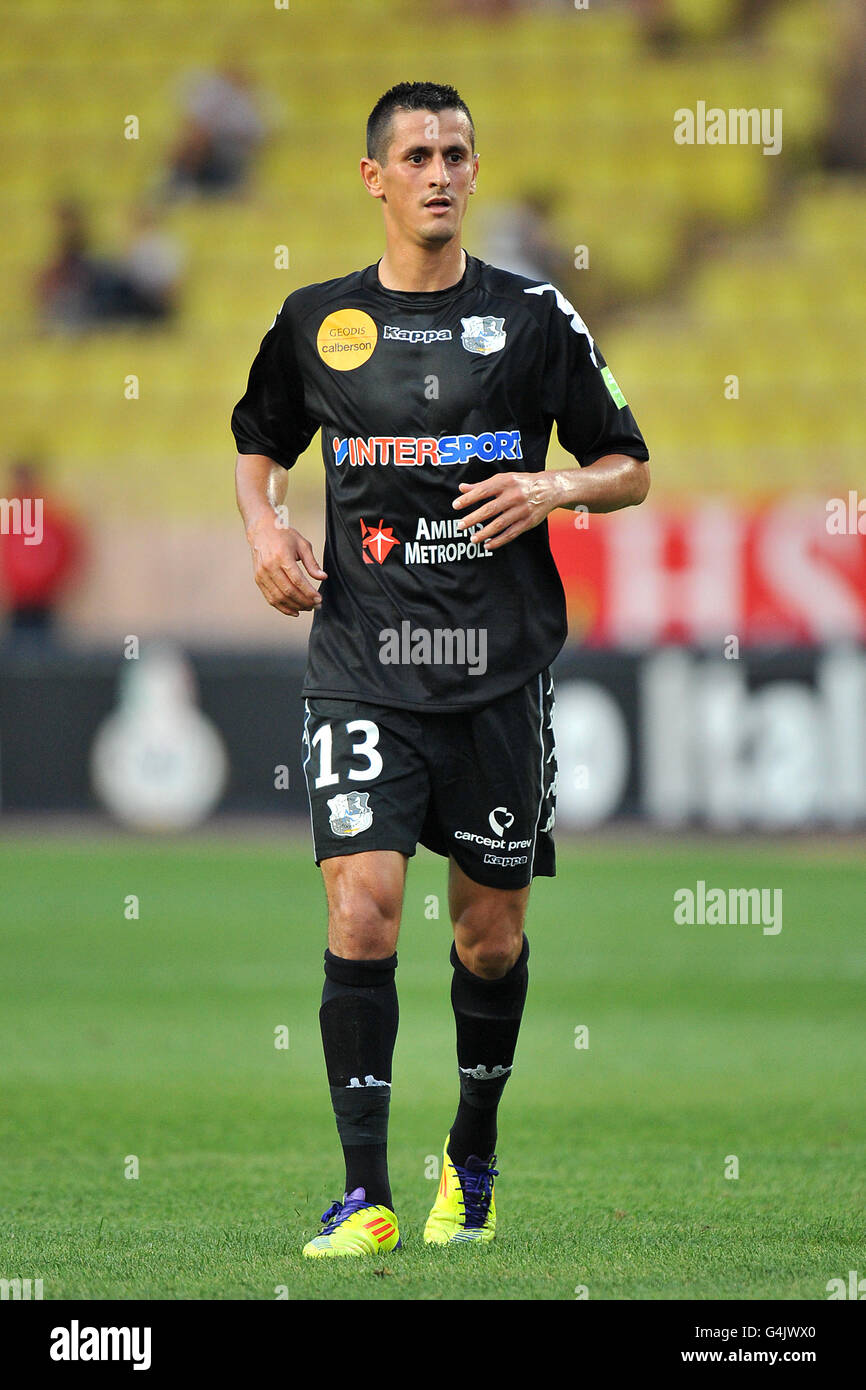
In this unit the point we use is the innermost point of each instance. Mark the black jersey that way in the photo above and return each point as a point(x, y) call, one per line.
point(416, 393)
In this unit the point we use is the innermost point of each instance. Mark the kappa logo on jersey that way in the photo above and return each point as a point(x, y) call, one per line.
point(417, 335)
point(350, 813)
point(346, 339)
point(482, 333)
point(410, 451)
point(377, 542)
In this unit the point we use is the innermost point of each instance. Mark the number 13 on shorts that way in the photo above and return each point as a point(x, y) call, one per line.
point(323, 743)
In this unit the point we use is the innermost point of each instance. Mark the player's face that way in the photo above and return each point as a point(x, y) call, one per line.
point(430, 174)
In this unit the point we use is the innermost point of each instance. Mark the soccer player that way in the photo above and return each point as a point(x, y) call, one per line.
point(435, 380)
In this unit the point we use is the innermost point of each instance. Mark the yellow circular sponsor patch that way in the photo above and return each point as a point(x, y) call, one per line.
point(346, 339)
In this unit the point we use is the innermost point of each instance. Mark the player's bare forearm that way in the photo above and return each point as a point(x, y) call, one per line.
point(612, 482)
point(278, 550)
point(260, 485)
point(510, 503)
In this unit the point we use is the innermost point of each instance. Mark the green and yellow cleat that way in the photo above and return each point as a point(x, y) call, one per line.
point(464, 1208)
point(355, 1227)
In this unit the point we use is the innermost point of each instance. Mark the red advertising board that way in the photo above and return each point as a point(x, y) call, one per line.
point(789, 572)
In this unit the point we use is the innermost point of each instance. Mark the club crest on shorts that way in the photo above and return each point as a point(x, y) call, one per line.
point(350, 813)
point(483, 334)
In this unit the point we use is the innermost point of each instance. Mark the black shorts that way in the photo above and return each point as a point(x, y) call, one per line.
point(479, 785)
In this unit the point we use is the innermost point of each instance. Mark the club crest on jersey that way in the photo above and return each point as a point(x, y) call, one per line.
point(483, 334)
point(350, 813)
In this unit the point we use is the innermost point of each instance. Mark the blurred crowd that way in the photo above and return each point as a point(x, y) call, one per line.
point(222, 128)
point(221, 132)
point(81, 288)
point(660, 17)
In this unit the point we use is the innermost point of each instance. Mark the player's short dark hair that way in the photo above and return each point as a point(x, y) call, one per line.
point(410, 96)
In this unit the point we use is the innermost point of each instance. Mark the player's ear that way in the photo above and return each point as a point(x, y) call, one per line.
point(371, 173)
point(474, 181)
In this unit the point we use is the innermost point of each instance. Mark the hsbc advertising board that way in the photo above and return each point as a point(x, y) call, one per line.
point(788, 573)
point(721, 674)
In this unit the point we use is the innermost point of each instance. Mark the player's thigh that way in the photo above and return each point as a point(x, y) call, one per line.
point(367, 782)
point(365, 902)
point(488, 923)
point(493, 778)
point(368, 792)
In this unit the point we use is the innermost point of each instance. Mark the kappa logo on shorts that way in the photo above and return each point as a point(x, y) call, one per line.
point(350, 813)
point(482, 333)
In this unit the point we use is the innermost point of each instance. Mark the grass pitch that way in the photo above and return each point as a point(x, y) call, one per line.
point(151, 1042)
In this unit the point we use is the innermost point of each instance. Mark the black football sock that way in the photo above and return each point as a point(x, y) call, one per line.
point(488, 1014)
point(358, 1019)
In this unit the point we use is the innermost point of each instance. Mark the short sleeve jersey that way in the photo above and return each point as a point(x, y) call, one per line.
point(414, 394)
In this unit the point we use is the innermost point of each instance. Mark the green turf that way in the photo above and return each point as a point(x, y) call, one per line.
point(155, 1038)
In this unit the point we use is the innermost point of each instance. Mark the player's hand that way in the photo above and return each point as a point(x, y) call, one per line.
point(278, 554)
point(508, 504)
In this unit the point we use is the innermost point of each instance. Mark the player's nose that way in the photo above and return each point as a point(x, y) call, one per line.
point(439, 176)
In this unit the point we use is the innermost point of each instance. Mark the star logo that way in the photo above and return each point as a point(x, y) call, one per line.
point(376, 542)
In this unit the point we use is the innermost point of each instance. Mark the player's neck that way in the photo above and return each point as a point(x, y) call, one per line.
point(421, 269)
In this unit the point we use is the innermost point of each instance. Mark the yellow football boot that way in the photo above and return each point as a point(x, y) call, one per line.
point(464, 1208)
point(355, 1227)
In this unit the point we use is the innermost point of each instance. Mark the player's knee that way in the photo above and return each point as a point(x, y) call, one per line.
point(489, 945)
point(363, 924)
point(490, 959)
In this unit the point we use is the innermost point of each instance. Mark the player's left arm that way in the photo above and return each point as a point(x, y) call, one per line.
point(510, 503)
point(595, 425)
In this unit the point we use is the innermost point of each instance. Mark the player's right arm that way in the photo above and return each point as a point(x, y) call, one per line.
point(272, 427)
point(279, 551)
